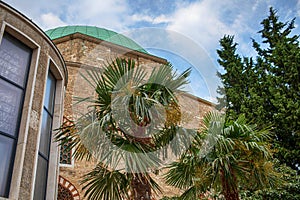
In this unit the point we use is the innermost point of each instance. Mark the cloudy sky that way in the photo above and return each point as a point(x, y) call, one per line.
point(184, 31)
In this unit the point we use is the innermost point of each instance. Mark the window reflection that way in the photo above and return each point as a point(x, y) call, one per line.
point(45, 136)
point(45, 140)
point(41, 177)
point(10, 103)
point(6, 145)
point(15, 60)
point(50, 88)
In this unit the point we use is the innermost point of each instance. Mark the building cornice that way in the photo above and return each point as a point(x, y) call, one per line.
point(198, 99)
point(118, 48)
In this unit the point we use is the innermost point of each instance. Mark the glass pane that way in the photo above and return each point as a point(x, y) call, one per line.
point(49, 96)
point(45, 134)
point(41, 179)
point(10, 101)
point(14, 60)
point(6, 146)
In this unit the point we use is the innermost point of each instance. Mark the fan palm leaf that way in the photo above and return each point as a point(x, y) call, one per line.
point(225, 155)
point(117, 129)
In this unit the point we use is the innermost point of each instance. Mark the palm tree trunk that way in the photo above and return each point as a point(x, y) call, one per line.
point(140, 187)
point(229, 190)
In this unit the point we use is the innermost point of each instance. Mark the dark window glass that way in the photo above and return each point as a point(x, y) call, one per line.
point(41, 177)
point(6, 150)
point(14, 66)
point(45, 139)
point(10, 103)
point(14, 59)
point(45, 136)
point(50, 89)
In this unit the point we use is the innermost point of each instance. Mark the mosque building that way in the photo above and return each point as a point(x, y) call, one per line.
point(40, 74)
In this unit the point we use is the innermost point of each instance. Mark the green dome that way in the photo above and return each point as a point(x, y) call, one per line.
point(99, 33)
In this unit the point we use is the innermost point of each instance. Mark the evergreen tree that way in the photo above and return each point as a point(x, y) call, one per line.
point(234, 85)
point(267, 89)
point(281, 58)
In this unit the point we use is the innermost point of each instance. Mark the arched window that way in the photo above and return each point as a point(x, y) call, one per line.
point(66, 190)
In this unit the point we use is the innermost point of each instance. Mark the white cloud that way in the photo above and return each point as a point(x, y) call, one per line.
point(208, 20)
point(198, 21)
point(202, 22)
point(38, 11)
point(154, 20)
point(161, 19)
point(194, 30)
point(113, 14)
point(51, 20)
point(140, 17)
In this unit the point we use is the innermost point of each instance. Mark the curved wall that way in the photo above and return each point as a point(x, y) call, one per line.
point(45, 59)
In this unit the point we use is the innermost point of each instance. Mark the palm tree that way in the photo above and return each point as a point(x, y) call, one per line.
point(133, 116)
point(226, 155)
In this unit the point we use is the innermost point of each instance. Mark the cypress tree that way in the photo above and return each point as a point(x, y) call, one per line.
point(266, 88)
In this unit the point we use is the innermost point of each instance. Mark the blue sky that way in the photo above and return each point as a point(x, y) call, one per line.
point(185, 32)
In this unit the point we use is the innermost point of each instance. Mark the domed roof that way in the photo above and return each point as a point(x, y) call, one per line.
point(96, 32)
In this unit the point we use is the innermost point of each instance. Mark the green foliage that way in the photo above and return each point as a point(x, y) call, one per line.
point(102, 183)
point(170, 198)
point(289, 190)
point(114, 130)
point(226, 154)
point(266, 89)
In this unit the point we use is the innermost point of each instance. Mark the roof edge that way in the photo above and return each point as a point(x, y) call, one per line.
point(109, 44)
point(95, 32)
point(198, 99)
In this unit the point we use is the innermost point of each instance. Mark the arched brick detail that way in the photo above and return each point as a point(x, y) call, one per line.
point(70, 187)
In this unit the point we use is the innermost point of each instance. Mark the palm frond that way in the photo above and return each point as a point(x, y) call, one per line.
point(181, 174)
point(102, 183)
point(124, 104)
point(67, 136)
point(166, 76)
point(190, 194)
point(225, 154)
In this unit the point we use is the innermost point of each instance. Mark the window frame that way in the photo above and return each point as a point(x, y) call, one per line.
point(58, 106)
point(30, 113)
point(50, 115)
point(24, 123)
point(23, 88)
point(30, 116)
